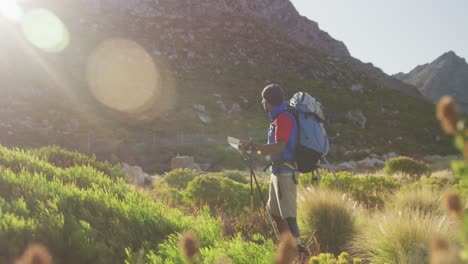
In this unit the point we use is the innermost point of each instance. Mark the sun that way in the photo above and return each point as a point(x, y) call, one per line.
point(11, 10)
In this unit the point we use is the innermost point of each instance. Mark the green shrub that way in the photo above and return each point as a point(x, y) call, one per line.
point(179, 178)
point(235, 250)
point(16, 233)
point(236, 175)
point(260, 250)
point(424, 201)
point(327, 258)
point(222, 193)
point(433, 183)
point(307, 179)
point(63, 158)
point(83, 216)
point(229, 159)
point(326, 219)
point(369, 190)
point(407, 167)
point(170, 196)
point(400, 236)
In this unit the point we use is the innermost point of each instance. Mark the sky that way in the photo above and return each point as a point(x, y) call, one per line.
point(394, 35)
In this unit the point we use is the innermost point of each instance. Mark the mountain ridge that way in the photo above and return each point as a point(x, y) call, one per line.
point(446, 75)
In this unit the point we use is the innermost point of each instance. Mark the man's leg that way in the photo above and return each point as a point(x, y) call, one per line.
point(288, 205)
point(293, 226)
point(273, 206)
point(281, 224)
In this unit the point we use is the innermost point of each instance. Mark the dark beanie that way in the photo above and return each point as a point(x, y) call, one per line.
point(273, 94)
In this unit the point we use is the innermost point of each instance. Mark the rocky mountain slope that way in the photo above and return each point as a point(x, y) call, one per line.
point(214, 56)
point(233, 32)
point(447, 75)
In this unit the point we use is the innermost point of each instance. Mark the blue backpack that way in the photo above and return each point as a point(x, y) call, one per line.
point(313, 143)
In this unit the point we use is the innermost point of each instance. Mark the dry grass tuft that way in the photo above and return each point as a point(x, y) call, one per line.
point(190, 246)
point(287, 250)
point(35, 254)
point(453, 204)
point(448, 114)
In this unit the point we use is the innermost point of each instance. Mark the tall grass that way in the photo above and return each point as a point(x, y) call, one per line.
point(401, 237)
point(421, 200)
point(326, 219)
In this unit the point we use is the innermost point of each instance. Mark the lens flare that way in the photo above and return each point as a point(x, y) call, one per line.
point(11, 10)
point(45, 30)
point(122, 75)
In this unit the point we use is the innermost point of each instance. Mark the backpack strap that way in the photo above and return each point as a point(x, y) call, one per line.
point(281, 163)
point(295, 114)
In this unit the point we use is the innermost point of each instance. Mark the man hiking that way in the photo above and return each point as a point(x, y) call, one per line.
point(282, 138)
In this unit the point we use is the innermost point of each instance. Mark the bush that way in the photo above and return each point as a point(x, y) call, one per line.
point(63, 158)
point(424, 201)
point(179, 178)
point(236, 175)
point(235, 250)
point(407, 167)
point(369, 190)
point(83, 216)
point(327, 258)
point(400, 237)
point(222, 193)
point(325, 220)
point(433, 183)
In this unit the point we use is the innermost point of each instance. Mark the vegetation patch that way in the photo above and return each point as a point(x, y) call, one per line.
point(408, 167)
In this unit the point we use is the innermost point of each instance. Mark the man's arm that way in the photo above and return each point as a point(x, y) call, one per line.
point(284, 127)
point(269, 149)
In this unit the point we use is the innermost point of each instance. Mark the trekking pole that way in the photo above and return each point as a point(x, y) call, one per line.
point(251, 183)
point(253, 178)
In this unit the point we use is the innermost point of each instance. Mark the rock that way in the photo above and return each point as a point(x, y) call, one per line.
point(184, 162)
point(206, 119)
point(199, 107)
point(244, 100)
point(357, 117)
point(389, 155)
point(349, 165)
point(135, 174)
point(221, 105)
point(370, 163)
point(235, 108)
point(357, 88)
